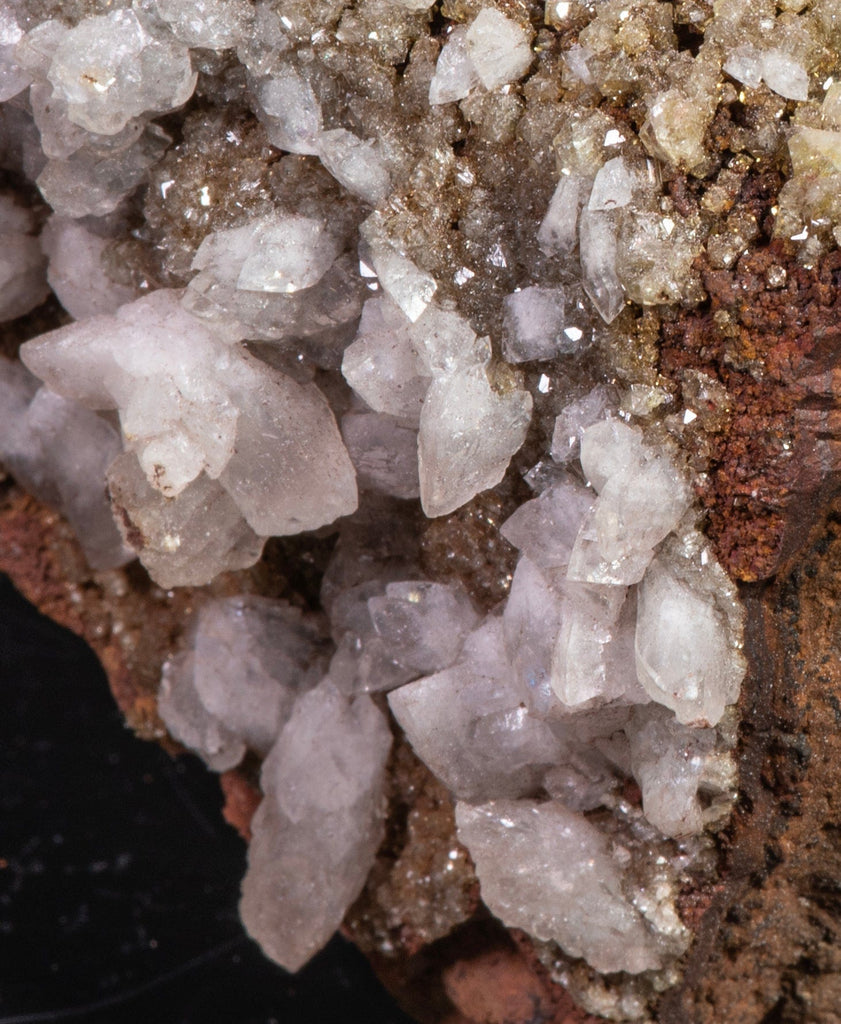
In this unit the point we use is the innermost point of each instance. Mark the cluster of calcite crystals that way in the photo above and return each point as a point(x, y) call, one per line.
point(344, 267)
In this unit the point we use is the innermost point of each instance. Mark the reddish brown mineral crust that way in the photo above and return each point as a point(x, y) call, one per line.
point(242, 799)
point(763, 343)
point(501, 987)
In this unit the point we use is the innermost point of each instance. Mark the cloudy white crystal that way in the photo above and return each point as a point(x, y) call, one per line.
point(252, 657)
point(455, 74)
point(687, 657)
point(537, 864)
point(498, 47)
point(468, 433)
point(318, 828)
point(110, 68)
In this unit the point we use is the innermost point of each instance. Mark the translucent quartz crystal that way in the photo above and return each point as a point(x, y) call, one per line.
point(59, 451)
point(23, 282)
point(537, 863)
point(280, 254)
point(111, 68)
point(318, 828)
point(498, 48)
point(532, 621)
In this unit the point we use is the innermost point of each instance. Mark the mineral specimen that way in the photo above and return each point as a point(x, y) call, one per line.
point(459, 294)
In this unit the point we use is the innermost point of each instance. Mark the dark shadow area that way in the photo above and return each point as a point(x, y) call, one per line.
point(119, 879)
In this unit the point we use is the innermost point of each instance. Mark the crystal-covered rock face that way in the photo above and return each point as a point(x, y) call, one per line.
point(401, 281)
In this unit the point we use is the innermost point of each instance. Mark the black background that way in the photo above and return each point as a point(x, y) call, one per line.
point(119, 879)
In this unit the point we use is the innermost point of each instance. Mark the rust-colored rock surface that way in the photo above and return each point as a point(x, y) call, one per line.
point(768, 949)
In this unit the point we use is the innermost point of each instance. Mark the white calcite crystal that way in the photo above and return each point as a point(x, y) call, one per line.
point(290, 110)
point(111, 68)
point(384, 365)
point(597, 235)
point(780, 72)
point(534, 324)
point(189, 721)
point(662, 748)
point(558, 229)
point(182, 541)
point(498, 47)
point(411, 287)
point(59, 451)
point(274, 278)
point(355, 163)
point(642, 497)
point(384, 452)
point(210, 24)
point(422, 625)
point(23, 282)
point(78, 270)
point(13, 78)
point(455, 74)
point(252, 657)
point(467, 723)
point(688, 646)
point(468, 433)
point(548, 870)
point(318, 828)
point(195, 412)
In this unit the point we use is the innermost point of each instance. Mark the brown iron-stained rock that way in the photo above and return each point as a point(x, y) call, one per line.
point(770, 336)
